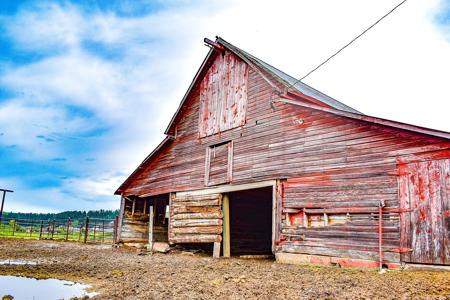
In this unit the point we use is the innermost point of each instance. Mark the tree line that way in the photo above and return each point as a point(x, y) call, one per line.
point(73, 214)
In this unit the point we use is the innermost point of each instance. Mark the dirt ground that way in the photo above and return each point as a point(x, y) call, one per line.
point(128, 274)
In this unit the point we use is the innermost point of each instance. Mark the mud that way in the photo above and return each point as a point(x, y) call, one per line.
point(127, 274)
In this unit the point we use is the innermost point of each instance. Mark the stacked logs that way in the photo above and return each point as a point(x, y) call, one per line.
point(196, 219)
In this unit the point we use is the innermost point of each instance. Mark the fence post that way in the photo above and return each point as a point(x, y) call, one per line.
point(67, 229)
point(103, 237)
point(31, 228)
point(14, 227)
point(116, 224)
point(95, 227)
point(86, 230)
point(40, 230)
point(53, 229)
point(81, 230)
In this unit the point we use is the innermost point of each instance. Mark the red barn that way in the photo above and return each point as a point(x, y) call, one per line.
point(255, 162)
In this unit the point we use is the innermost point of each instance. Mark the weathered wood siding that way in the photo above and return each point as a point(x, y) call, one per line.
point(279, 141)
point(196, 219)
point(425, 191)
point(336, 213)
point(223, 95)
point(134, 223)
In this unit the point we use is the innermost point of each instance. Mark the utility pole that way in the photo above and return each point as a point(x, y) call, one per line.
point(3, 201)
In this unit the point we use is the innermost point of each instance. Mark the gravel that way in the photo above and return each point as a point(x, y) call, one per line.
point(120, 273)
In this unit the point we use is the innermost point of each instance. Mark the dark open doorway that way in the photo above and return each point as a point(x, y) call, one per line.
point(251, 222)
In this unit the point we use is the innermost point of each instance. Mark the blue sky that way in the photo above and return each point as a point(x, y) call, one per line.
point(87, 87)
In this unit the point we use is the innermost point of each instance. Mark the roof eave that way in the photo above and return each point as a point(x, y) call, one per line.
point(395, 124)
point(141, 166)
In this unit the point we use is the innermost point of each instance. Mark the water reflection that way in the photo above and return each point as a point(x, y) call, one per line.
point(37, 289)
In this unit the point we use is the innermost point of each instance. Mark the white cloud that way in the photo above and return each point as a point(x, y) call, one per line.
point(131, 72)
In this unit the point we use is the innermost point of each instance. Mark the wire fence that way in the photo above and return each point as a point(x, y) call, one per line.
point(86, 230)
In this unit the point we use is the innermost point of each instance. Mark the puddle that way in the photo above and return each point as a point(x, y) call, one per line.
point(17, 262)
point(45, 289)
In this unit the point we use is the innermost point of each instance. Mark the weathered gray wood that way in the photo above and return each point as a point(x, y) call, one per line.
point(196, 222)
point(189, 198)
point(197, 230)
point(150, 229)
point(204, 238)
point(203, 215)
point(121, 214)
point(197, 203)
point(195, 209)
point(216, 251)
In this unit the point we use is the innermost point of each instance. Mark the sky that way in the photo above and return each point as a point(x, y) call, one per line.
point(88, 87)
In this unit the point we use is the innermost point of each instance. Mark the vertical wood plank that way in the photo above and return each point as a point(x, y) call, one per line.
point(405, 218)
point(150, 228)
point(274, 216)
point(444, 166)
point(435, 219)
point(207, 164)
point(216, 250)
point(230, 162)
point(226, 225)
point(121, 215)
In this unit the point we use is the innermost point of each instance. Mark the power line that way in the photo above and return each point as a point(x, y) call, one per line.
point(348, 44)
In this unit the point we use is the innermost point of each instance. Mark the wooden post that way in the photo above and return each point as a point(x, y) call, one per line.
point(103, 231)
point(120, 221)
point(116, 223)
point(133, 207)
point(14, 227)
point(67, 229)
point(86, 229)
point(81, 230)
point(40, 230)
point(95, 228)
point(216, 251)
point(150, 228)
point(226, 225)
point(31, 228)
point(53, 229)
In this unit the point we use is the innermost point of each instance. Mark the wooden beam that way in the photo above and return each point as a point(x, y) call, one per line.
point(150, 229)
point(121, 214)
point(274, 216)
point(226, 226)
point(216, 252)
point(228, 188)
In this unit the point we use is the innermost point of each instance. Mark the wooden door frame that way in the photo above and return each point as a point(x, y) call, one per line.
point(223, 189)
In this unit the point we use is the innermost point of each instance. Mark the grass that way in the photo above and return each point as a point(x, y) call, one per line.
point(27, 231)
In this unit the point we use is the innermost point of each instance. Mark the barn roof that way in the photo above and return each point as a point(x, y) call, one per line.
point(142, 165)
point(287, 80)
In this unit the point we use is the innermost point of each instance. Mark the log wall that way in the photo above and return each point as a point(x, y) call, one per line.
point(196, 219)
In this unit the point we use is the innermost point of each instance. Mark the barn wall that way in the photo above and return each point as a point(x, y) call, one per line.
point(336, 213)
point(279, 141)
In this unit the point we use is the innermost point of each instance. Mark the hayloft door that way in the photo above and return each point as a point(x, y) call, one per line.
point(425, 227)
